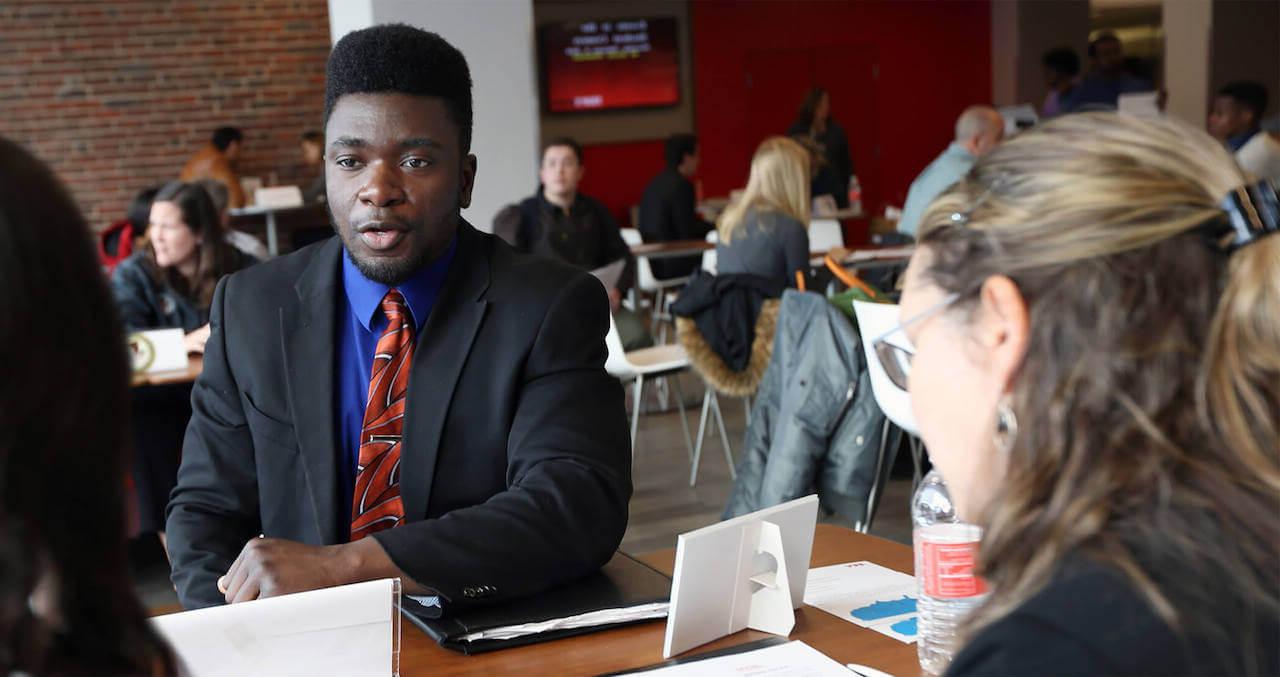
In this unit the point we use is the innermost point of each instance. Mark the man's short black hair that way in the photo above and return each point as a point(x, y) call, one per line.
point(223, 137)
point(569, 141)
point(313, 136)
point(1062, 60)
point(1249, 95)
point(1106, 36)
point(401, 59)
point(678, 146)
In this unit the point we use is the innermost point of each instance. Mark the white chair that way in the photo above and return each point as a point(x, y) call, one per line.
point(709, 256)
point(825, 235)
point(874, 320)
point(648, 284)
point(647, 364)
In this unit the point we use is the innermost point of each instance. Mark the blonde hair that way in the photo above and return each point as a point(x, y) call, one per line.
point(1149, 397)
point(779, 182)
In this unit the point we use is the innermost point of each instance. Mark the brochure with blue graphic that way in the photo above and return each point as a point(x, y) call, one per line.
point(868, 595)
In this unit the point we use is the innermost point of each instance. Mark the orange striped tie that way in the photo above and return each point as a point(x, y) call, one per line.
point(376, 503)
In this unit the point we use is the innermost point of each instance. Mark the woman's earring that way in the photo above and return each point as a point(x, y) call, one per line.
point(1006, 426)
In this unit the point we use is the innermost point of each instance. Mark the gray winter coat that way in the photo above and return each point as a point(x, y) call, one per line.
point(815, 425)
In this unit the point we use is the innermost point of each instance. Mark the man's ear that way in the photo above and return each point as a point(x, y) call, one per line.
point(469, 165)
point(1003, 327)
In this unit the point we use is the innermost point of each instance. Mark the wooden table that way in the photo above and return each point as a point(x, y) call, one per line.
point(671, 249)
point(641, 645)
point(195, 365)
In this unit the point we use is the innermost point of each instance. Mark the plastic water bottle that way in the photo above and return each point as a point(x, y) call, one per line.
point(855, 193)
point(946, 552)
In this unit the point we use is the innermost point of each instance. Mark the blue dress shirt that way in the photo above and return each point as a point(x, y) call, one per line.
point(360, 325)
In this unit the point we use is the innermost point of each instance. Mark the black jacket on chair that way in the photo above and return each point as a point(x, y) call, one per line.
point(515, 468)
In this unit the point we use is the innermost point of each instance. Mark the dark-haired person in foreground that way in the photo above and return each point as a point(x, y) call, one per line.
point(412, 398)
point(668, 209)
point(66, 599)
point(219, 160)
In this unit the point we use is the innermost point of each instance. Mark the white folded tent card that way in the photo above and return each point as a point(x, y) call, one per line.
point(747, 572)
point(346, 630)
point(157, 350)
point(278, 197)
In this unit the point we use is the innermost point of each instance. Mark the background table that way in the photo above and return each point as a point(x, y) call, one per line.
point(641, 645)
point(195, 365)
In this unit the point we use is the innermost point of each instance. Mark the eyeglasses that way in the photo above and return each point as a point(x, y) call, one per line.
point(896, 359)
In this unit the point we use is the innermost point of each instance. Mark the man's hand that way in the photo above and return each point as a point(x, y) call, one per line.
point(268, 567)
point(615, 299)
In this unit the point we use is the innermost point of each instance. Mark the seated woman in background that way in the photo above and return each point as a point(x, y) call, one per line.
point(766, 231)
point(170, 282)
point(1096, 373)
point(66, 598)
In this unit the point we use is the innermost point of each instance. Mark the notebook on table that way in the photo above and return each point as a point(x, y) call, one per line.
point(623, 592)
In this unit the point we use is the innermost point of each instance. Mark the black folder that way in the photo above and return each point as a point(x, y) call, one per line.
point(623, 582)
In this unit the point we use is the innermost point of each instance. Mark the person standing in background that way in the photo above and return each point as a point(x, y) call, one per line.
point(978, 130)
point(218, 161)
point(1061, 69)
point(814, 121)
point(1236, 121)
point(668, 210)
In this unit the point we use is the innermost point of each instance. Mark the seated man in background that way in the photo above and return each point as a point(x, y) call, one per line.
point(978, 130)
point(561, 223)
point(313, 162)
point(218, 161)
point(668, 208)
point(1107, 79)
point(488, 460)
point(1236, 121)
point(245, 242)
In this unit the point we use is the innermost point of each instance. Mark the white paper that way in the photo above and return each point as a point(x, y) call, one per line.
point(793, 659)
point(867, 595)
point(590, 619)
point(1140, 104)
point(882, 253)
point(345, 630)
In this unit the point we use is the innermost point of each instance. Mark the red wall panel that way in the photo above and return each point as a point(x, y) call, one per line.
point(616, 174)
point(934, 58)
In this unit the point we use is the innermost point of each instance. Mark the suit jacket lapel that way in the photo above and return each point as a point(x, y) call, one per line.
point(437, 363)
point(308, 331)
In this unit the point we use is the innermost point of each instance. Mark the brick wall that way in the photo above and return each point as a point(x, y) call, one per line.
point(116, 94)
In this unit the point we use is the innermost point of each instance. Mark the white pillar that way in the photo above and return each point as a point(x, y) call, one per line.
point(1187, 27)
point(497, 38)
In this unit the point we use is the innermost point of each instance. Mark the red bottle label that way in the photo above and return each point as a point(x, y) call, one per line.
point(947, 570)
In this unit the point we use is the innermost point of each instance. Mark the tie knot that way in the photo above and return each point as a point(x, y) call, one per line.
point(394, 306)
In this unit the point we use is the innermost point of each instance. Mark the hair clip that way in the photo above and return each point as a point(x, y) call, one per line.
point(962, 218)
point(1252, 212)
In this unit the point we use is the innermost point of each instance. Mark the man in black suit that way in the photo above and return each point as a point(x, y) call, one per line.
point(494, 464)
point(668, 207)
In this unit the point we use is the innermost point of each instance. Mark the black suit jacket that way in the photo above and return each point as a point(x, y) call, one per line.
point(516, 461)
point(668, 211)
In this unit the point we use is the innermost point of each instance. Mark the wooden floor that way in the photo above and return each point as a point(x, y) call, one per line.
point(663, 504)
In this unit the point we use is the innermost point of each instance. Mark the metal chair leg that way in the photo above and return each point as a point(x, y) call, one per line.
point(746, 402)
point(684, 421)
point(702, 435)
point(724, 437)
point(637, 401)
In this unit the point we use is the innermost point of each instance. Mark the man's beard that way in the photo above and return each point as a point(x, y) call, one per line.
point(382, 270)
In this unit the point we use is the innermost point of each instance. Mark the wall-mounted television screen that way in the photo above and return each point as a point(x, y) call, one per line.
point(610, 64)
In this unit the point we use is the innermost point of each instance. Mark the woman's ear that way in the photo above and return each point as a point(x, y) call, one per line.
point(1003, 328)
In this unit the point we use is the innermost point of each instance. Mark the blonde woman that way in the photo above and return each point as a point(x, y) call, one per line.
point(1096, 373)
point(766, 232)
